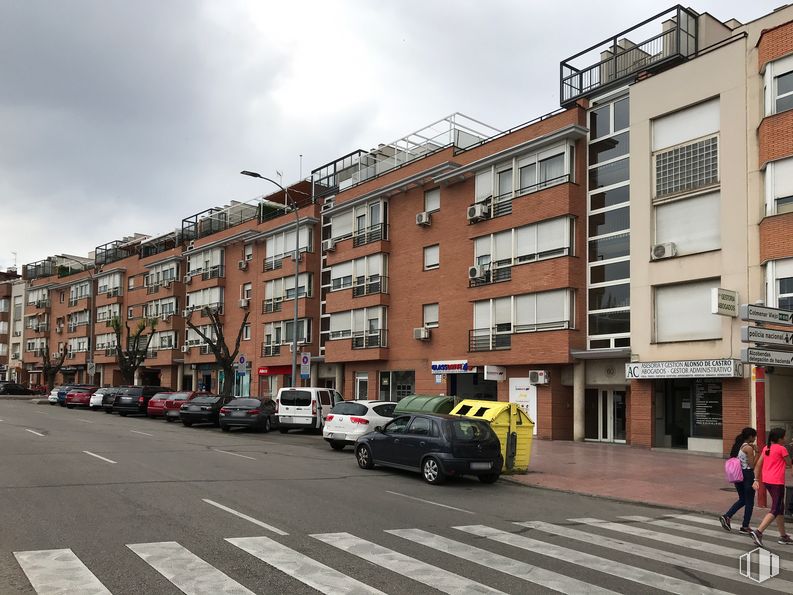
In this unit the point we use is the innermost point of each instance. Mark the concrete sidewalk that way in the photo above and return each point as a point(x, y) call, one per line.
point(618, 471)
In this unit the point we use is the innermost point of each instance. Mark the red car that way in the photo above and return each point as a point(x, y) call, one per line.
point(80, 397)
point(176, 400)
point(156, 406)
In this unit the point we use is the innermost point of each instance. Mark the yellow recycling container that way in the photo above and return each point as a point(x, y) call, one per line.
point(515, 429)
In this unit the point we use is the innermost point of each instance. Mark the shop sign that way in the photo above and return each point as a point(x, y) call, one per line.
point(724, 302)
point(767, 357)
point(274, 370)
point(764, 314)
point(497, 373)
point(697, 368)
point(754, 334)
point(456, 366)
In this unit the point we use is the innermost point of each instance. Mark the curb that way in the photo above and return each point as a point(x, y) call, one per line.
point(613, 498)
point(20, 398)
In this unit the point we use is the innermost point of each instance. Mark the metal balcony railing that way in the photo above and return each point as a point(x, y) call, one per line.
point(369, 339)
point(371, 285)
point(487, 339)
point(493, 275)
point(371, 234)
point(214, 272)
point(272, 305)
point(269, 350)
point(270, 264)
point(205, 349)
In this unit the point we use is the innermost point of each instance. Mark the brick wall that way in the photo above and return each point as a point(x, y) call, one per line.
point(555, 410)
point(774, 44)
point(776, 137)
point(776, 237)
point(736, 409)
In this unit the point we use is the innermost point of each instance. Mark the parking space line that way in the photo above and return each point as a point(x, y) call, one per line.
point(88, 452)
point(87, 421)
point(138, 432)
point(246, 517)
point(34, 432)
point(430, 502)
point(225, 452)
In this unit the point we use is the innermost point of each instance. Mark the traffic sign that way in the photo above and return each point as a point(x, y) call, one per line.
point(764, 314)
point(305, 364)
point(767, 357)
point(91, 368)
point(754, 334)
point(242, 359)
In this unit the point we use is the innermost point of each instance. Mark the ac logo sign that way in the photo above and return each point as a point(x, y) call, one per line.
point(759, 565)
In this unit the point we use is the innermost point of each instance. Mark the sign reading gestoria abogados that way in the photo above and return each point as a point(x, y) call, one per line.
point(696, 368)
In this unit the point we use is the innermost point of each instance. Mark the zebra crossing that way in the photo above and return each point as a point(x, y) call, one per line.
point(578, 555)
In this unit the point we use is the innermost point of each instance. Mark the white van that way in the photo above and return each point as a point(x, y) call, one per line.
point(304, 407)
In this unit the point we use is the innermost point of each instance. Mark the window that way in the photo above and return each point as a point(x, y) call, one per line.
point(130, 283)
point(783, 85)
point(430, 315)
point(359, 219)
point(246, 291)
point(687, 167)
point(360, 321)
point(130, 313)
point(246, 332)
point(283, 244)
point(421, 426)
point(693, 224)
point(779, 186)
point(546, 239)
point(280, 333)
point(785, 293)
point(779, 282)
point(247, 252)
point(366, 271)
point(432, 200)
point(682, 312)
point(398, 425)
point(547, 310)
point(432, 255)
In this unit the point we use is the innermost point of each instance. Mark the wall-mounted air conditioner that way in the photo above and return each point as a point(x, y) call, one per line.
point(242, 265)
point(478, 212)
point(187, 279)
point(328, 245)
point(477, 271)
point(423, 218)
point(244, 303)
point(421, 334)
point(661, 251)
point(539, 377)
point(185, 348)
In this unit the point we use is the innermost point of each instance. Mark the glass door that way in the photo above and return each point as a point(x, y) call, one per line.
point(605, 415)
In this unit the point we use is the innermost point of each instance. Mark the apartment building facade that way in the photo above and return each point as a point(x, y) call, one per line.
point(8, 279)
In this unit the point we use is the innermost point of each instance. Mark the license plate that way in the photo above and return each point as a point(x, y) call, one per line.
point(237, 414)
point(480, 466)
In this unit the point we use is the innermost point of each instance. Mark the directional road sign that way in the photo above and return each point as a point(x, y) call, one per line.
point(753, 334)
point(767, 357)
point(764, 314)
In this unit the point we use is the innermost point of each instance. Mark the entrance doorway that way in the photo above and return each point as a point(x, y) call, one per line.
point(604, 415)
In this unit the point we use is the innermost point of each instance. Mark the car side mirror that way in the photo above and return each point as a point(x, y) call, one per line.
point(378, 429)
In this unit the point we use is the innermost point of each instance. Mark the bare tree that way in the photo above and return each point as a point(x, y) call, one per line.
point(224, 357)
point(131, 358)
point(51, 364)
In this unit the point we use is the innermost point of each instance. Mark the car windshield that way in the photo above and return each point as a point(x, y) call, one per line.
point(245, 403)
point(349, 408)
point(296, 398)
point(469, 430)
point(162, 396)
point(179, 396)
point(205, 400)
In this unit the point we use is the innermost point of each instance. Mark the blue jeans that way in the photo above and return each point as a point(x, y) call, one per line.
point(745, 497)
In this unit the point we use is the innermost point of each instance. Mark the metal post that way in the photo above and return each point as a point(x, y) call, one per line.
point(297, 282)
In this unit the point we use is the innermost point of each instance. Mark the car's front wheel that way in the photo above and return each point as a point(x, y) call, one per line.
point(187, 424)
point(69, 406)
point(283, 430)
point(122, 413)
point(169, 419)
point(363, 455)
point(225, 428)
point(432, 472)
point(489, 478)
point(267, 425)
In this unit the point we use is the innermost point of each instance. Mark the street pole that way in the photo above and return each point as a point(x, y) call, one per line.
point(290, 203)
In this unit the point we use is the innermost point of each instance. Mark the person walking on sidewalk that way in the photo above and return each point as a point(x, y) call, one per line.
point(745, 449)
point(770, 469)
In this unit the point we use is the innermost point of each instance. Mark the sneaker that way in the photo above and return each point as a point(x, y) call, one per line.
point(745, 530)
point(725, 522)
point(785, 540)
point(757, 537)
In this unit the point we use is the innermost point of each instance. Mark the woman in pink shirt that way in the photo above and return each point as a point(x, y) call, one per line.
point(770, 469)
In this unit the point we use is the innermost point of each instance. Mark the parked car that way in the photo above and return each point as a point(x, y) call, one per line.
point(156, 406)
point(53, 397)
point(65, 390)
point(304, 407)
point(12, 388)
point(80, 397)
point(204, 409)
point(96, 398)
point(109, 397)
point(436, 445)
point(247, 412)
point(349, 420)
point(175, 401)
point(135, 399)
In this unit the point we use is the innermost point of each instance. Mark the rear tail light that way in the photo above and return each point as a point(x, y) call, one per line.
point(140, 400)
point(254, 412)
point(359, 420)
point(277, 405)
point(224, 410)
point(313, 407)
point(330, 417)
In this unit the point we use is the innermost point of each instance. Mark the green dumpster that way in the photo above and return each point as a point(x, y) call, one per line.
point(424, 404)
point(513, 427)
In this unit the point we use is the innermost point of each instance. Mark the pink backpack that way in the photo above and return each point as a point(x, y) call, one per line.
point(732, 470)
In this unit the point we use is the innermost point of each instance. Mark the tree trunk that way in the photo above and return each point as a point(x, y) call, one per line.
point(51, 380)
point(228, 378)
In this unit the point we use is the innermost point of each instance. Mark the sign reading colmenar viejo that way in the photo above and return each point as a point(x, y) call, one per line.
point(692, 368)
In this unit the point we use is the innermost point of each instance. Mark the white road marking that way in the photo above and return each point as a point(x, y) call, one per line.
point(34, 432)
point(419, 571)
point(226, 452)
point(185, 570)
point(2, 420)
point(143, 433)
point(308, 571)
point(88, 452)
point(56, 572)
point(692, 544)
point(430, 502)
point(85, 421)
point(655, 554)
point(521, 570)
point(246, 517)
point(666, 524)
point(624, 571)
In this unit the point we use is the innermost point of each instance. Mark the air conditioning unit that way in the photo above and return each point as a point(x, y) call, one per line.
point(328, 245)
point(539, 377)
point(187, 279)
point(661, 251)
point(242, 265)
point(478, 212)
point(423, 218)
point(299, 345)
point(167, 283)
point(59, 329)
point(190, 246)
point(109, 294)
point(17, 333)
point(477, 271)
point(244, 303)
point(186, 312)
point(165, 315)
point(421, 334)
point(327, 206)
point(185, 348)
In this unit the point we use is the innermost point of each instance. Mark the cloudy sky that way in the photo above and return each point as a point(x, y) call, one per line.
point(119, 117)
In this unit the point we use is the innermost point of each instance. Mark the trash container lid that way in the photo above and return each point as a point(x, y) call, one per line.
point(425, 404)
point(487, 410)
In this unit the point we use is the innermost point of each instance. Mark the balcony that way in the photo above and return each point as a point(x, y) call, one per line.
point(215, 272)
point(41, 304)
point(488, 339)
point(369, 339)
point(371, 285)
point(492, 275)
point(270, 350)
point(272, 305)
point(506, 345)
point(617, 61)
point(375, 233)
point(270, 264)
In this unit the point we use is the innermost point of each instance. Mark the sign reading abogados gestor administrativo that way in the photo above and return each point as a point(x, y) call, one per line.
point(696, 368)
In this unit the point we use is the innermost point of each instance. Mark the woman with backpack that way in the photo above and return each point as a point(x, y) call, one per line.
point(745, 450)
point(770, 469)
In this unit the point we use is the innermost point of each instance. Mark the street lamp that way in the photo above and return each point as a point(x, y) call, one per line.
point(290, 204)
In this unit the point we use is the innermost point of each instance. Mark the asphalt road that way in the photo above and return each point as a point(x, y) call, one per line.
point(136, 505)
